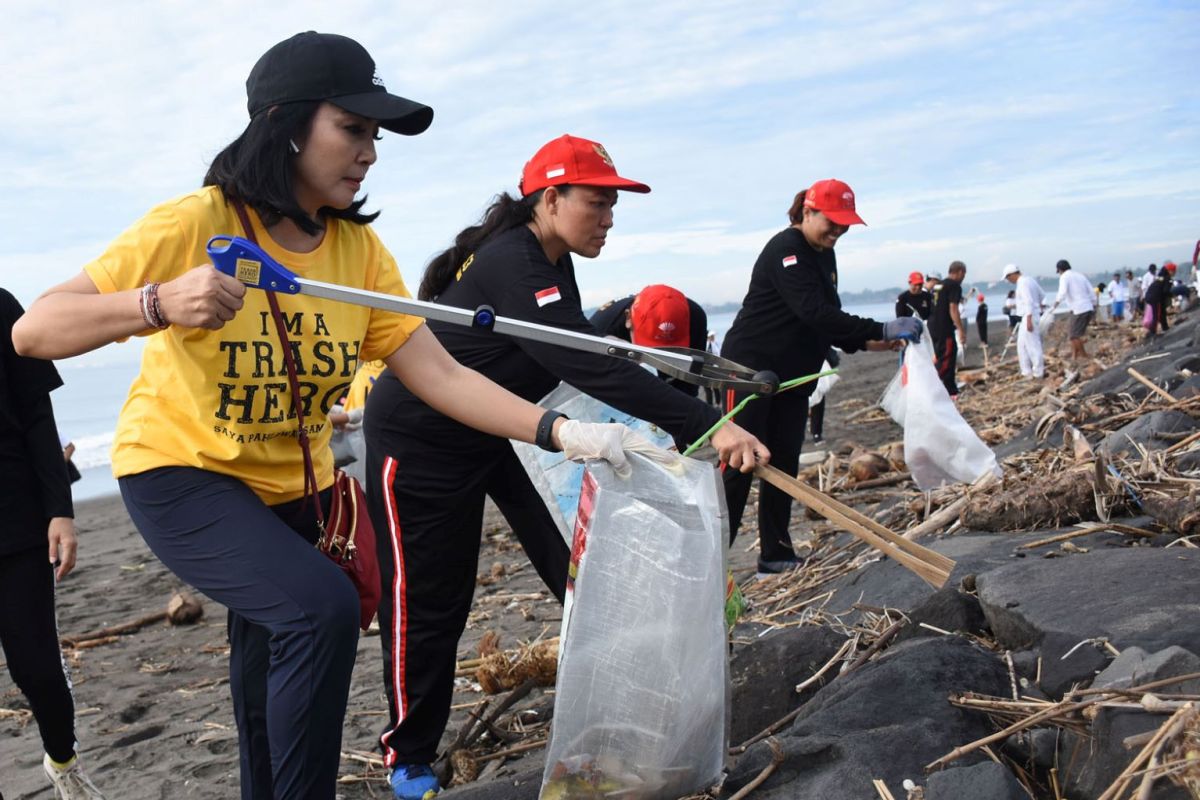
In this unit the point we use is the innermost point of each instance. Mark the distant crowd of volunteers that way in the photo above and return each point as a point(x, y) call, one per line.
point(206, 450)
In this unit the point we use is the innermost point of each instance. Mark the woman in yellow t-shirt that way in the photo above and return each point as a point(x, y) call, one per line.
point(205, 449)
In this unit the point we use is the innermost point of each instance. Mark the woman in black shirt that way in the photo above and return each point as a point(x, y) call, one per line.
point(428, 475)
point(789, 319)
point(37, 548)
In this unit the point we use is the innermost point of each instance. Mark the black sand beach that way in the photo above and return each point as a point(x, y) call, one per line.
point(154, 716)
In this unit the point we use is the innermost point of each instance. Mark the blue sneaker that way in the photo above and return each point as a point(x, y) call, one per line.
point(414, 782)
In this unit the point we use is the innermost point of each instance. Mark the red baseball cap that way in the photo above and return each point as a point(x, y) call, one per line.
point(835, 200)
point(660, 317)
point(915, 277)
point(569, 159)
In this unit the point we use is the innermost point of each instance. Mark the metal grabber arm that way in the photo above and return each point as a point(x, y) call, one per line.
point(246, 261)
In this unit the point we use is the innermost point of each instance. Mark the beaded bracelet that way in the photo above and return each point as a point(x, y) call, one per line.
point(151, 311)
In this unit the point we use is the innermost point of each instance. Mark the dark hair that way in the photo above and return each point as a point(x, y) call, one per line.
point(955, 266)
point(256, 168)
point(1063, 265)
point(796, 212)
point(505, 213)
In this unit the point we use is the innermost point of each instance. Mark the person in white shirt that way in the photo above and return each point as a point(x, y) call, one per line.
point(1029, 297)
point(1118, 292)
point(1076, 293)
point(1147, 279)
point(1134, 287)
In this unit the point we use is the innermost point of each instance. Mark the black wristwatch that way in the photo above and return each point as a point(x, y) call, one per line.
point(545, 428)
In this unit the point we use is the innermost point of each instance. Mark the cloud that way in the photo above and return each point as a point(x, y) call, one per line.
point(990, 132)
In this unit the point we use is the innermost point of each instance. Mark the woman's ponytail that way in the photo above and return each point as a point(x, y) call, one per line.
point(505, 212)
point(796, 212)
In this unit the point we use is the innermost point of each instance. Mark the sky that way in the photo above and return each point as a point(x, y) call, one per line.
point(989, 132)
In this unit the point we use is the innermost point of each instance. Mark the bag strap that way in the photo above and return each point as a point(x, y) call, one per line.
point(310, 474)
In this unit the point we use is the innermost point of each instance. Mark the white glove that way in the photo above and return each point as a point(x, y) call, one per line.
point(610, 441)
point(354, 417)
point(962, 343)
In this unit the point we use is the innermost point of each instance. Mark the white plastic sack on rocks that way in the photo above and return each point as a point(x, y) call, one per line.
point(1046, 321)
point(640, 709)
point(939, 445)
point(557, 479)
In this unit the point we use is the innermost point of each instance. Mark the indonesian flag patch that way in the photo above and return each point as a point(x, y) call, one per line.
point(789, 261)
point(547, 296)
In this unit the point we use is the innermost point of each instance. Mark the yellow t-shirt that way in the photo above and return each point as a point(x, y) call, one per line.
point(360, 387)
point(219, 400)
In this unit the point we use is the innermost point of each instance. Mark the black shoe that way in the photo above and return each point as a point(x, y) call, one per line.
point(817, 438)
point(768, 568)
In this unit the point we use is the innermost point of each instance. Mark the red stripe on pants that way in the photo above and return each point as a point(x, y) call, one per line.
point(399, 608)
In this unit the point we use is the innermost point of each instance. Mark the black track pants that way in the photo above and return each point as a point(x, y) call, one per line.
point(946, 352)
point(29, 635)
point(778, 421)
point(427, 508)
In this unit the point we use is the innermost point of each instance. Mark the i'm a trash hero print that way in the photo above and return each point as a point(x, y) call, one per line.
point(253, 386)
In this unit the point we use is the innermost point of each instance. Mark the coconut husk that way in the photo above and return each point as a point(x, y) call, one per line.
point(184, 609)
point(488, 643)
point(894, 453)
point(867, 466)
point(501, 670)
point(538, 663)
point(494, 673)
point(465, 767)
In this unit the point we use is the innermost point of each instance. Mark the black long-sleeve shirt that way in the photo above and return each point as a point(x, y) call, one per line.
point(792, 313)
point(921, 302)
point(33, 474)
point(512, 274)
point(609, 320)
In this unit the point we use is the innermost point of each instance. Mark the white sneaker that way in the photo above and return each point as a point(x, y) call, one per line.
point(70, 782)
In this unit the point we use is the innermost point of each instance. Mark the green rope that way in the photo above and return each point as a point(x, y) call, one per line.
point(783, 387)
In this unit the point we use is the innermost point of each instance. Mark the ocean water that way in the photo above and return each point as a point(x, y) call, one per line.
point(94, 389)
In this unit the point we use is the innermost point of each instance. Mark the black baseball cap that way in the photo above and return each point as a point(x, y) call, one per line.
point(326, 66)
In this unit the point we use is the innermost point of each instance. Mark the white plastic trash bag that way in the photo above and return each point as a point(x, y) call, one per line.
point(640, 708)
point(1046, 322)
point(557, 479)
point(939, 445)
point(824, 384)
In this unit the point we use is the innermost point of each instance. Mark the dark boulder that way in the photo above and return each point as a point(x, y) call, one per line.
point(764, 675)
point(1130, 597)
point(986, 781)
point(1147, 431)
point(947, 609)
point(886, 720)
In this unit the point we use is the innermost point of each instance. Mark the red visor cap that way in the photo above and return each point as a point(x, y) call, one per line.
point(835, 200)
point(661, 317)
point(915, 277)
point(569, 159)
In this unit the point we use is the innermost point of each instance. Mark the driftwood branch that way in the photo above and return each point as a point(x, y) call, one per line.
point(776, 760)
